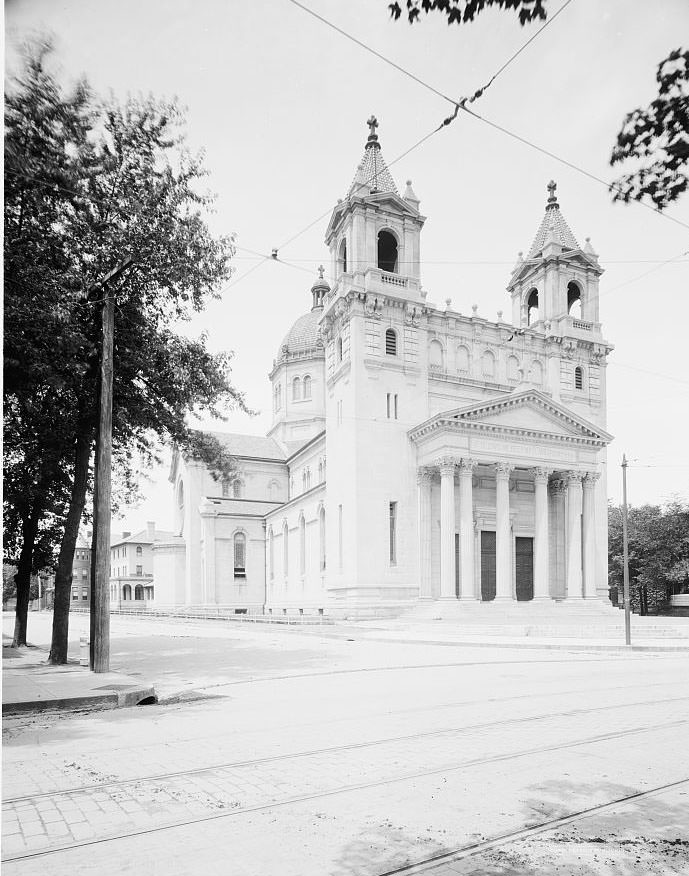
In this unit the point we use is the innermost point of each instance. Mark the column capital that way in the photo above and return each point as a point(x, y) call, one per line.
point(541, 475)
point(590, 479)
point(424, 475)
point(574, 478)
point(503, 470)
point(447, 464)
point(467, 466)
point(558, 486)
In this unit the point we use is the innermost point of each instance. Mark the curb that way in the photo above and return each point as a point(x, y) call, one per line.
point(93, 702)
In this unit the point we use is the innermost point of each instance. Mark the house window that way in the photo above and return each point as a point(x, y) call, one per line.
point(393, 533)
point(139, 570)
point(307, 387)
point(240, 555)
point(578, 377)
point(296, 389)
point(285, 549)
point(302, 544)
point(390, 342)
point(237, 489)
point(225, 489)
point(139, 550)
point(321, 527)
point(75, 593)
point(392, 405)
point(84, 594)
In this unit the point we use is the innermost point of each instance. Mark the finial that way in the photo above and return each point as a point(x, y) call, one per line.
point(321, 271)
point(500, 315)
point(474, 309)
point(448, 303)
point(372, 136)
point(552, 200)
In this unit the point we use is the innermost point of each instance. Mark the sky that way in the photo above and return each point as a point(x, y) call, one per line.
point(278, 102)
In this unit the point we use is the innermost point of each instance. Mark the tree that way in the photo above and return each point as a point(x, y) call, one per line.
point(463, 11)
point(657, 136)
point(131, 191)
point(658, 538)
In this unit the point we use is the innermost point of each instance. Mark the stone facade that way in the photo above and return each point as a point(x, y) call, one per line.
point(466, 459)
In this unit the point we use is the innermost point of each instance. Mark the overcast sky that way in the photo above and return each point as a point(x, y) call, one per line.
point(279, 101)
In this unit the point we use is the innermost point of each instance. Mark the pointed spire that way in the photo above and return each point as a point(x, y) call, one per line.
point(553, 228)
point(319, 289)
point(410, 196)
point(372, 174)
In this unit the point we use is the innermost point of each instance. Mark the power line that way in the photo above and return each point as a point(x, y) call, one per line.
point(461, 105)
point(645, 274)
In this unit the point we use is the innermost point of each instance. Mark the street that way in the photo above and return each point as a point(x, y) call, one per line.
point(321, 751)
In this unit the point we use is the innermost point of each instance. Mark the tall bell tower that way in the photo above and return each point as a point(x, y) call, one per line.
point(373, 327)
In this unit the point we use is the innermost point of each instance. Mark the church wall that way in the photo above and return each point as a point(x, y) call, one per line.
point(307, 469)
point(224, 588)
point(260, 479)
point(169, 572)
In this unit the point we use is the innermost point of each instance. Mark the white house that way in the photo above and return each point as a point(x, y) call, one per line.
point(416, 453)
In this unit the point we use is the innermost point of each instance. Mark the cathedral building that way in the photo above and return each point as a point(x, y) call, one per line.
point(416, 453)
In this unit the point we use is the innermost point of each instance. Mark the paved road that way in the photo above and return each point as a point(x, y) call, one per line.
point(278, 752)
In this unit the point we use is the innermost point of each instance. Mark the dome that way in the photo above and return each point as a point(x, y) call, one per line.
point(303, 336)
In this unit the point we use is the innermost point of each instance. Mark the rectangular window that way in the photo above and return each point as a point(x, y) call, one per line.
point(395, 405)
point(388, 406)
point(84, 594)
point(139, 570)
point(75, 593)
point(393, 533)
point(392, 406)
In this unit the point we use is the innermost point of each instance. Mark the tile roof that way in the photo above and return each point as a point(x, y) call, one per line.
point(553, 224)
point(303, 335)
point(250, 445)
point(372, 174)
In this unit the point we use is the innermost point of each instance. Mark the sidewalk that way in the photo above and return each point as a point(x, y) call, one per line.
point(31, 684)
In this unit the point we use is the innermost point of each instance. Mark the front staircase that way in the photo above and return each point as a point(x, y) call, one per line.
point(571, 619)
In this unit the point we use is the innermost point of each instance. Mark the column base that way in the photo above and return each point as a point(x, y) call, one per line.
point(504, 599)
point(447, 599)
point(471, 598)
point(542, 599)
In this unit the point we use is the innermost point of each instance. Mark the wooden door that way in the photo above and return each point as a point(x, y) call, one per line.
point(524, 568)
point(487, 566)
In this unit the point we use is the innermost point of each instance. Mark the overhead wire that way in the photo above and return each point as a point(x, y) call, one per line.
point(461, 104)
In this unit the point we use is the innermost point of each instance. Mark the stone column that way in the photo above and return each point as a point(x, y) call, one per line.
point(503, 533)
point(589, 518)
point(541, 589)
point(447, 528)
point(574, 578)
point(424, 480)
point(466, 529)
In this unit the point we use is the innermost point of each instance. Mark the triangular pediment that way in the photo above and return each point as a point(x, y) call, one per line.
point(526, 413)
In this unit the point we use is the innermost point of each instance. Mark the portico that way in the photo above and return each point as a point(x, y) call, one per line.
point(513, 525)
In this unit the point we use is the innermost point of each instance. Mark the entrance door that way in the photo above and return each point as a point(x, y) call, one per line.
point(487, 566)
point(524, 564)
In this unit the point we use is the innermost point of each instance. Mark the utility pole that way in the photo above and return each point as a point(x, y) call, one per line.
point(625, 554)
point(100, 588)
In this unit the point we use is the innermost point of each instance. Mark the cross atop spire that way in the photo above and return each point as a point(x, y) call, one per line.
point(552, 200)
point(321, 271)
point(372, 136)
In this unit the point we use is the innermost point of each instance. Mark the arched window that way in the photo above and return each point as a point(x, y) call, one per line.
point(302, 544)
point(285, 549)
point(308, 478)
point(343, 257)
point(390, 342)
point(387, 252)
point(532, 313)
point(574, 300)
point(237, 489)
point(139, 550)
point(321, 528)
point(578, 377)
point(435, 354)
point(126, 592)
point(488, 364)
point(296, 389)
point(307, 387)
point(339, 349)
point(225, 488)
point(536, 373)
point(139, 592)
point(512, 369)
point(239, 555)
point(320, 471)
point(271, 569)
point(462, 359)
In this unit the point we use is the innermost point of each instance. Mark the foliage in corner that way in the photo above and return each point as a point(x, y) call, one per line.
point(658, 138)
point(463, 11)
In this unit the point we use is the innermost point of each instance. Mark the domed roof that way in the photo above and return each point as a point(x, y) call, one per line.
point(303, 335)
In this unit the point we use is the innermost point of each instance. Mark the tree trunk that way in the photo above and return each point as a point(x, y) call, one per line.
point(63, 572)
point(23, 576)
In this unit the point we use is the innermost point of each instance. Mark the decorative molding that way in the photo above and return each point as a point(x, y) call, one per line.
point(573, 478)
point(541, 475)
point(558, 486)
point(467, 466)
point(590, 479)
point(424, 475)
point(503, 470)
point(447, 464)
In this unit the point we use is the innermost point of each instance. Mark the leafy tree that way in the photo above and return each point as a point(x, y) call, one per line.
point(463, 11)
point(658, 137)
point(130, 189)
point(658, 545)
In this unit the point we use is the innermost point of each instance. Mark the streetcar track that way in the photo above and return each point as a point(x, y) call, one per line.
point(424, 734)
point(336, 748)
point(301, 798)
point(471, 849)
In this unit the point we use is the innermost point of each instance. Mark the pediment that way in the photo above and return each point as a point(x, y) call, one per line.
point(528, 413)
